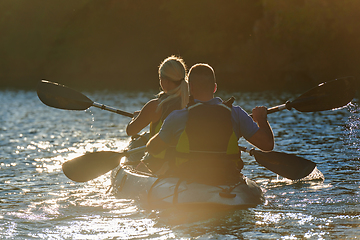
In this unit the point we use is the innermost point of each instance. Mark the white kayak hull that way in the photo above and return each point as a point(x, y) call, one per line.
point(170, 191)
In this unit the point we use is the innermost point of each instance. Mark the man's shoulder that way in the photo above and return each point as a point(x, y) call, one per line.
point(176, 114)
point(238, 111)
point(215, 101)
point(176, 120)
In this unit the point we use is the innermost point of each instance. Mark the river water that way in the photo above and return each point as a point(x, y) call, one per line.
point(39, 202)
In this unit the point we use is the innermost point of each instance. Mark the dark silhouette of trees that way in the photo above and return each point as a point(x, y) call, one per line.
point(118, 44)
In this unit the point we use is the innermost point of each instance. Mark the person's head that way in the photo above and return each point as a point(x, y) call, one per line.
point(172, 74)
point(172, 69)
point(202, 81)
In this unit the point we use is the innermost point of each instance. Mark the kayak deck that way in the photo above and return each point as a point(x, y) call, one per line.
point(160, 192)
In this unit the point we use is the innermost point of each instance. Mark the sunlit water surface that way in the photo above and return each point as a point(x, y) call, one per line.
point(39, 202)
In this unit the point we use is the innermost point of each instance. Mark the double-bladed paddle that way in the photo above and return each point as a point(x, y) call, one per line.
point(92, 165)
point(59, 96)
point(326, 96)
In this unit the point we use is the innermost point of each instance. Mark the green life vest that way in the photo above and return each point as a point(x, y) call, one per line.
point(167, 108)
point(207, 150)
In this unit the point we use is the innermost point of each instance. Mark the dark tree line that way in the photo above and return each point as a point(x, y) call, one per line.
point(118, 44)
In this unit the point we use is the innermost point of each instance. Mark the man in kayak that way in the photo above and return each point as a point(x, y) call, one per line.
point(201, 140)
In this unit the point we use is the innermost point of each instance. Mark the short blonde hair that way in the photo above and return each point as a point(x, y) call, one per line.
point(174, 69)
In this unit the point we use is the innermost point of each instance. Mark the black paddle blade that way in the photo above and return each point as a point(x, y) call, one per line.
point(326, 96)
point(59, 96)
point(286, 165)
point(91, 165)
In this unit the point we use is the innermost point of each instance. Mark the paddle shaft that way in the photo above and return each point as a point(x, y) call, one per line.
point(111, 109)
point(277, 108)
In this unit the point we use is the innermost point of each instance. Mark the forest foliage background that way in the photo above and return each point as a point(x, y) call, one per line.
point(119, 44)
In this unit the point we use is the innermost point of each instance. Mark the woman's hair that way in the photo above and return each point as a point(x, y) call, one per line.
point(174, 69)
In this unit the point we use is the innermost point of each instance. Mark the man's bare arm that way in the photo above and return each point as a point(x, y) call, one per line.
point(156, 145)
point(264, 137)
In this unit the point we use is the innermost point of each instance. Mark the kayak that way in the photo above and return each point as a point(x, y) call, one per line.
point(161, 192)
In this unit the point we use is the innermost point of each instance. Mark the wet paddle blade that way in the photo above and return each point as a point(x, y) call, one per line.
point(59, 96)
point(286, 165)
point(91, 165)
point(326, 96)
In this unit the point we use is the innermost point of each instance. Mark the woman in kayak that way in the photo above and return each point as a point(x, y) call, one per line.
point(174, 95)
